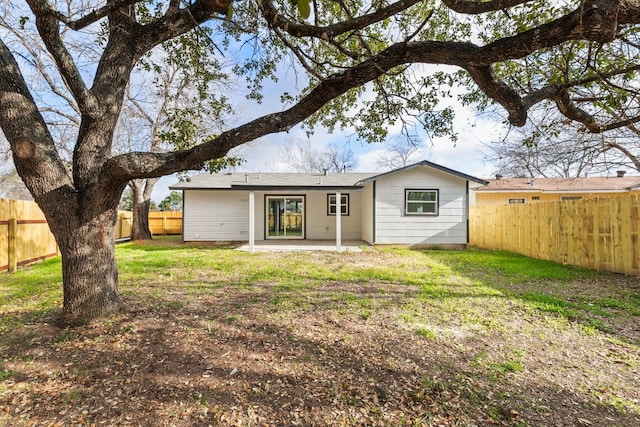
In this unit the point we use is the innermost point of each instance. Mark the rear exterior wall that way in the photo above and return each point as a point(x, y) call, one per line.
point(394, 226)
point(223, 215)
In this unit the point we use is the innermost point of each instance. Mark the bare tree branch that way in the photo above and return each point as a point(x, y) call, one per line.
point(49, 31)
point(472, 7)
point(570, 110)
point(294, 28)
point(93, 16)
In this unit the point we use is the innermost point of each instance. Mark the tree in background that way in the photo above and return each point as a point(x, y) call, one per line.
point(11, 186)
point(302, 157)
point(550, 147)
point(399, 152)
point(186, 105)
point(359, 65)
point(583, 99)
point(126, 201)
point(173, 202)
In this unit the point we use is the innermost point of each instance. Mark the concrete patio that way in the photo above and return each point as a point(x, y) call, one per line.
point(303, 245)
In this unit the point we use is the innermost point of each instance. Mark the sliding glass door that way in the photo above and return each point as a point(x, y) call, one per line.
point(285, 217)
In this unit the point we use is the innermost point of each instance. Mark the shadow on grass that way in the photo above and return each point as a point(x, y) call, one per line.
point(239, 362)
point(225, 351)
point(605, 301)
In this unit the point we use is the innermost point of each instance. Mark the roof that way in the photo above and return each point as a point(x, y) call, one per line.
point(273, 180)
point(581, 185)
point(433, 166)
point(293, 181)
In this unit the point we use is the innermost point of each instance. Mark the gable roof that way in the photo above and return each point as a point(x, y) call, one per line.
point(298, 181)
point(433, 166)
point(581, 185)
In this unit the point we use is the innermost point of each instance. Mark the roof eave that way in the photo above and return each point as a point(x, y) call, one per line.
point(431, 165)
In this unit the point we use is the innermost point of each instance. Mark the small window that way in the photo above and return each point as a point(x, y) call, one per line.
point(518, 201)
point(565, 198)
point(535, 197)
point(344, 204)
point(421, 202)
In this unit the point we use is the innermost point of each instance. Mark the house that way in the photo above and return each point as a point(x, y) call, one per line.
point(420, 204)
point(535, 190)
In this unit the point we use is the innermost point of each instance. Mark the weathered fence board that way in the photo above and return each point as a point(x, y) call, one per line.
point(602, 233)
point(24, 234)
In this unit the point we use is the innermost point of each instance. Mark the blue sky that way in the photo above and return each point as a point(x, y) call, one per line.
point(465, 155)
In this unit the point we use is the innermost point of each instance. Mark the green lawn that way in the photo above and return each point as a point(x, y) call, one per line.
point(214, 336)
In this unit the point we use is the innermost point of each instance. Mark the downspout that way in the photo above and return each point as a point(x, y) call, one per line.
point(373, 213)
point(467, 213)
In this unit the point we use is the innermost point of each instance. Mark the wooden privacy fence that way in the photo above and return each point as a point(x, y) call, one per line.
point(165, 222)
point(602, 233)
point(123, 225)
point(24, 235)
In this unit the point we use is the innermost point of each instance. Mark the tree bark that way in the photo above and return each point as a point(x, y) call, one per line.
point(89, 270)
point(142, 189)
point(140, 224)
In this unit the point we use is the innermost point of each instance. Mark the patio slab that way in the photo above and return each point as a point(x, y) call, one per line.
point(303, 245)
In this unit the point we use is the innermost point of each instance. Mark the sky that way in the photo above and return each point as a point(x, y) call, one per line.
point(466, 155)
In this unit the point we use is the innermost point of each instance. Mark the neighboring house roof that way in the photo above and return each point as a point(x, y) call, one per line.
point(258, 181)
point(562, 185)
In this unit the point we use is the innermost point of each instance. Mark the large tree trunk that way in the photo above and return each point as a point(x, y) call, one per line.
point(89, 270)
point(142, 189)
point(140, 224)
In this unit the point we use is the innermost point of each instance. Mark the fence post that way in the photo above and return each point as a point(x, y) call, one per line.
point(164, 223)
point(13, 243)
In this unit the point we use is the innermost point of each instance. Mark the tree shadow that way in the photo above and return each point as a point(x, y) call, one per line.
point(235, 357)
point(607, 302)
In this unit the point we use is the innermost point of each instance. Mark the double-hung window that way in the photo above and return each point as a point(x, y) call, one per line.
point(421, 202)
point(344, 204)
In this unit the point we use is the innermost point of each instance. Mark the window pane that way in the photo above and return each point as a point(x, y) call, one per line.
point(414, 207)
point(427, 196)
point(430, 208)
point(331, 204)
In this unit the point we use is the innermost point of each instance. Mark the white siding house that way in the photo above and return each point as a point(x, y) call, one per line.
point(421, 204)
point(394, 223)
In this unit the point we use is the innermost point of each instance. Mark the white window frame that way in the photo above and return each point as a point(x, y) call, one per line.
point(408, 202)
point(331, 204)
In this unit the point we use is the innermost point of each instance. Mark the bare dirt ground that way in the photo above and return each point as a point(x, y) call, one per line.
point(247, 356)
